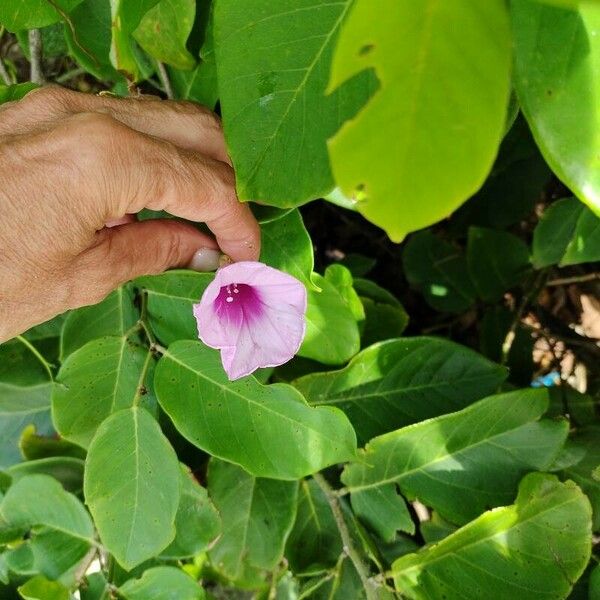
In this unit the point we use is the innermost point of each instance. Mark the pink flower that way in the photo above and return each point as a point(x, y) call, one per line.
point(254, 315)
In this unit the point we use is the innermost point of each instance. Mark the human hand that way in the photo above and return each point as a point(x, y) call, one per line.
point(70, 163)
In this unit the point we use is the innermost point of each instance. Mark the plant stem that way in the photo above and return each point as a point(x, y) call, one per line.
point(69, 75)
point(35, 53)
point(336, 509)
point(164, 78)
point(8, 80)
point(575, 279)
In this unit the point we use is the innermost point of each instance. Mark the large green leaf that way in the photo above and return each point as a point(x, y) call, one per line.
point(164, 30)
point(162, 583)
point(197, 523)
point(439, 271)
point(9, 93)
point(427, 139)
point(588, 439)
point(30, 14)
point(104, 376)
point(557, 55)
point(497, 261)
point(19, 407)
point(568, 233)
point(314, 543)
point(332, 335)
point(534, 549)
point(403, 381)
point(170, 299)
point(115, 315)
point(131, 486)
point(465, 462)
point(257, 514)
point(267, 429)
point(273, 59)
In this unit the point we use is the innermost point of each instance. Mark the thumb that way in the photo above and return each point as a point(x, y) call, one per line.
point(148, 247)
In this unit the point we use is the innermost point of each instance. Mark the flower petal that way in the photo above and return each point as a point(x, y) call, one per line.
point(270, 329)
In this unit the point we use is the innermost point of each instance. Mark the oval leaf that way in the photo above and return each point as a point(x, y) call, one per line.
point(245, 422)
point(131, 486)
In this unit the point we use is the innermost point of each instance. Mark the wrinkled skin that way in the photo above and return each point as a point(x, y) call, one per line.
point(71, 163)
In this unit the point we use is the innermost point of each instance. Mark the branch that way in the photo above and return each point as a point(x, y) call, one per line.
point(35, 53)
point(575, 279)
point(164, 78)
point(349, 549)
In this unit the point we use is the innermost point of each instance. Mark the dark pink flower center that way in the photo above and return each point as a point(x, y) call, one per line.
point(237, 301)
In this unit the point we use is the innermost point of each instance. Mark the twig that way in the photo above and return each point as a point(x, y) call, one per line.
point(575, 279)
point(69, 75)
point(350, 550)
point(35, 53)
point(8, 80)
point(528, 297)
point(164, 78)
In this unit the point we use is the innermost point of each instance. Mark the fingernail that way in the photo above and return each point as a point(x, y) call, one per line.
point(205, 259)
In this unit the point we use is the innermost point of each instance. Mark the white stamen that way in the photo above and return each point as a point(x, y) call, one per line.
point(229, 299)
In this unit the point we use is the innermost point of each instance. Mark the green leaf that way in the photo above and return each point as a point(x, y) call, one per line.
point(439, 271)
point(62, 529)
point(286, 246)
point(399, 382)
point(164, 30)
point(200, 85)
point(436, 529)
point(555, 76)
point(314, 543)
point(197, 523)
point(383, 511)
point(582, 472)
point(257, 514)
point(385, 317)
point(115, 315)
point(430, 134)
point(89, 40)
point(126, 17)
point(245, 422)
point(533, 549)
point(568, 234)
point(595, 583)
point(10, 93)
point(67, 470)
point(101, 378)
point(22, 365)
point(273, 98)
point(40, 500)
point(31, 14)
point(53, 41)
point(170, 299)
point(34, 446)
point(162, 583)
point(40, 588)
point(466, 462)
point(131, 486)
point(332, 336)
point(497, 261)
point(20, 407)
point(341, 278)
